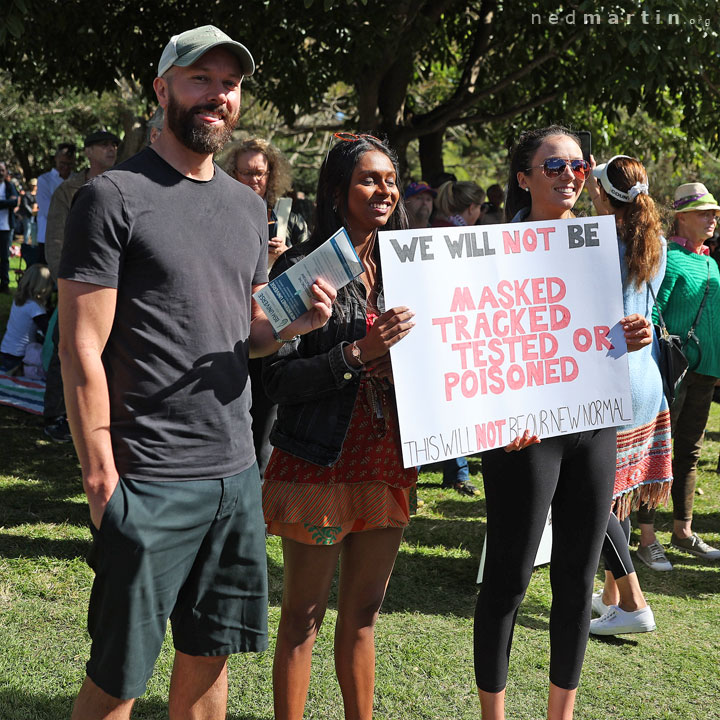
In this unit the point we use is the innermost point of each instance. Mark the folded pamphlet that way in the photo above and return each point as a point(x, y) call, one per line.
point(288, 296)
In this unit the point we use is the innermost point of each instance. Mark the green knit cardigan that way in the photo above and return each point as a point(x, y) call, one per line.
point(679, 299)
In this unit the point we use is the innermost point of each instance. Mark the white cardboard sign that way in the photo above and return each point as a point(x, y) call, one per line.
point(517, 327)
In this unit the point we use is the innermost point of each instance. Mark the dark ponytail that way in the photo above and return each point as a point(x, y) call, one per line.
point(521, 156)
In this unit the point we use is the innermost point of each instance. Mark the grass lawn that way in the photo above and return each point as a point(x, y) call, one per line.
point(424, 635)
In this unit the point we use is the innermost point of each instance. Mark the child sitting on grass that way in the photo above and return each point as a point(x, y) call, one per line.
point(28, 317)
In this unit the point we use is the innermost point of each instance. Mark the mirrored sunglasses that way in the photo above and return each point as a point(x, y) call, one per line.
point(554, 167)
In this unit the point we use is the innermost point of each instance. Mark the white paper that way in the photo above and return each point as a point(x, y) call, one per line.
point(282, 212)
point(516, 327)
point(288, 296)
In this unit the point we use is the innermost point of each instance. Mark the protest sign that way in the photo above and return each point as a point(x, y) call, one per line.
point(517, 327)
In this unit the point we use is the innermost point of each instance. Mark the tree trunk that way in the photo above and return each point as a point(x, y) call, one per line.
point(134, 130)
point(133, 124)
point(431, 154)
point(398, 141)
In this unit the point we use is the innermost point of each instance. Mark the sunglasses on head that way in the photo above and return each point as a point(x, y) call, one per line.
point(352, 137)
point(554, 167)
point(349, 137)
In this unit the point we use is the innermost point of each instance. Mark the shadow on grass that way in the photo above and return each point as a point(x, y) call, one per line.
point(706, 522)
point(453, 507)
point(42, 502)
point(20, 546)
point(709, 466)
point(447, 532)
point(427, 585)
point(533, 615)
point(690, 577)
point(21, 705)
point(47, 475)
point(614, 640)
point(26, 452)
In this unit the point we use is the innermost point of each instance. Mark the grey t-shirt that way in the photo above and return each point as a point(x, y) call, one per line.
point(183, 255)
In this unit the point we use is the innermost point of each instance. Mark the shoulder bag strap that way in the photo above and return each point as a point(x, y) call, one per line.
point(663, 329)
point(691, 336)
point(702, 304)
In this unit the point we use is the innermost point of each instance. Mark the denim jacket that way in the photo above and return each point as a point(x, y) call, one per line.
point(309, 380)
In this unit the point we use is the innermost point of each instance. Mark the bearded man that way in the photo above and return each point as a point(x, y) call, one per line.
point(160, 260)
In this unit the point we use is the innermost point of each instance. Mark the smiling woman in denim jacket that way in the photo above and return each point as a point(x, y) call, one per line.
point(335, 487)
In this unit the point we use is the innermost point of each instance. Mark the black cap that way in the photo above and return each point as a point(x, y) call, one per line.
point(100, 136)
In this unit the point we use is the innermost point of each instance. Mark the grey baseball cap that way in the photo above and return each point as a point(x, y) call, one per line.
point(184, 49)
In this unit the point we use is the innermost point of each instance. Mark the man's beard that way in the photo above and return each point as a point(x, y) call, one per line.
point(202, 139)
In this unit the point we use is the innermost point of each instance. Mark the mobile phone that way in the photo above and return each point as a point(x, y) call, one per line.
point(585, 143)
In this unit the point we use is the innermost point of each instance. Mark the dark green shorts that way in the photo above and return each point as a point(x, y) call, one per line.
point(191, 551)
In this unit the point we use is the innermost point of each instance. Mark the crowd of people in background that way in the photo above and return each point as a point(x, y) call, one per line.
point(324, 423)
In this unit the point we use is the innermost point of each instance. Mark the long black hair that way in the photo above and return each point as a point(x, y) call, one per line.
point(334, 183)
point(521, 156)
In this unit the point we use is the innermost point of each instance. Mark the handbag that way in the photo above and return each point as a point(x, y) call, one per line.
point(672, 361)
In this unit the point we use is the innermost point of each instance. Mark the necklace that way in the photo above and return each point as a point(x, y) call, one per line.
point(367, 258)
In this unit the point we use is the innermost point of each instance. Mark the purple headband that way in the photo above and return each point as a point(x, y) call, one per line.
point(690, 198)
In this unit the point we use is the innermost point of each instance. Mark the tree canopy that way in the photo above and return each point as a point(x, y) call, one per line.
point(411, 69)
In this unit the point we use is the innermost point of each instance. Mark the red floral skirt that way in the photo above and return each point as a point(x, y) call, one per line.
point(366, 489)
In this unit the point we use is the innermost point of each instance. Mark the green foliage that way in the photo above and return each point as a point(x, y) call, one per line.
point(409, 68)
point(13, 21)
point(30, 129)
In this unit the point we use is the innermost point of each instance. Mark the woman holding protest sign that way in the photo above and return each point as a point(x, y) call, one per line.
point(571, 472)
point(335, 487)
point(619, 187)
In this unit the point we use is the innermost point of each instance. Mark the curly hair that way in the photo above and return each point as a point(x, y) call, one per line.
point(641, 227)
point(279, 173)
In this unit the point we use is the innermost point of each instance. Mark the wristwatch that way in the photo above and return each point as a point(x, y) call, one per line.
point(281, 341)
point(356, 352)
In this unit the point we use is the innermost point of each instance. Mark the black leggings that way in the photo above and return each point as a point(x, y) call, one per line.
point(615, 549)
point(573, 473)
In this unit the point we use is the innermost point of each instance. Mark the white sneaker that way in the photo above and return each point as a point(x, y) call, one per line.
point(653, 556)
point(617, 621)
point(598, 606)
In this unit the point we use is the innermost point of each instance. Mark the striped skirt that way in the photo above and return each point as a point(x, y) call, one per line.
point(644, 466)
